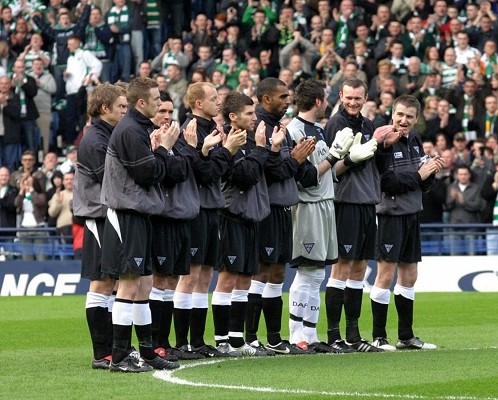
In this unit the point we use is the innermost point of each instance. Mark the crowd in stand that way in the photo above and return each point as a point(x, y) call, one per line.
point(443, 52)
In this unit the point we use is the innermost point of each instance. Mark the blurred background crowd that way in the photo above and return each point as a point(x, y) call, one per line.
point(444, 52)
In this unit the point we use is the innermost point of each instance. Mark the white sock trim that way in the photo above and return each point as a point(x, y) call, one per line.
point(239, 296)
point(94, 299)
point(272, 290)
point(141, 314)
point(407, 292)
point(168, 295)
point(257, 287)
point(200, 300)
point(221, 299)
point(354, 284)
point(379, 295)
point(183, 301)
point(336, 283)
point(156, 294)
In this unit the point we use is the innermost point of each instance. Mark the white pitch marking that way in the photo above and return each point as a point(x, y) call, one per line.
point(167, 376)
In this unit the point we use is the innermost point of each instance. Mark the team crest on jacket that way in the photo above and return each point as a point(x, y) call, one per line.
point(308, 247)
point(398, 154)
point(367, 137)
point(417, 149)
point(138, 260)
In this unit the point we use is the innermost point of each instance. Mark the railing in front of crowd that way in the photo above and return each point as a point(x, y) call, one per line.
point(32, 244)
point(437, 240)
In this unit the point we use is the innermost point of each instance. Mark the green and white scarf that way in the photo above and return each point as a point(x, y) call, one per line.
point(22, 96)
point(119, 17)
point(341, 38)
point(93, 44)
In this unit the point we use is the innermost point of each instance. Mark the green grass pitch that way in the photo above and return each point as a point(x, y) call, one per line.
point(45, 353)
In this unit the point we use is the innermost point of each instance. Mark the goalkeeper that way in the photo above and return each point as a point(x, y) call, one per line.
point(356, 194)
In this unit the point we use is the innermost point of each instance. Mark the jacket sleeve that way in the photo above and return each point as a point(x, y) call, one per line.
point(278, 169)
point(145, 167)
point(214, 166)
point(8, 201)
point(177, 170)
point(246, 172)
point(307, 175)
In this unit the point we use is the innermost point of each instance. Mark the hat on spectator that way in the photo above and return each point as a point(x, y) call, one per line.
point(460, 136)
point(70, 149)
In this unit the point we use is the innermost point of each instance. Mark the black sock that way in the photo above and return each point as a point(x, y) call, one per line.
point(404, 307)
point(182, 323)
point(97, 318)
point(237, 318)
point(121, 342)
point(334, 300)
point(254, 307)
point(379, 316)
point(156, 313)
point(198, 326)
point(272, 310)
point(167, 317)
point(145, 341)
point(352, 309)
point(221, 318)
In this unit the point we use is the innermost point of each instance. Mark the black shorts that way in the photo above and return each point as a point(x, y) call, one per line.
point(91, 258)
point(126, 244)
point(356, 231)
point(275, 237)
point(238, 246)
point(205, 237)
point(170, 246)
point(398, 238)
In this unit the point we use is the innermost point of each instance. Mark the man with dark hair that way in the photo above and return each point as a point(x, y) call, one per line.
point(314, 237)
point(191, 295)
point(106, 106)
point(404, 173)
point(134, 167)
point(356, 193)
point(170, 229)
point(246, 204)
point(275, 240)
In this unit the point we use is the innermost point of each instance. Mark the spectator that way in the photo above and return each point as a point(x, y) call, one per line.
point(45, 82)
point(177, 86)
point(383, 47)
point(299, 49)
point(82, 69)
point(120, 21)
point(431, 62)
point(231, 67)
point(172, 53)
point(144, 69)
point(201, 32)
point(56, 186)
point(343, 24)
point(462, 155)
point(25, 88)
point(49, 168)
point(483, 32)
point(59, 35)
point(71, 158)
point(34, 51)
point(98, 37)
point(444, 122)
point(463, 50)
point(10, 126)
point(20, 37)
point(261, 36)
point(415, 40)
point(8, 194)
point(60, 207)
point(468, 107)
point(31, 204)
point(413, 79)
point(465, 205)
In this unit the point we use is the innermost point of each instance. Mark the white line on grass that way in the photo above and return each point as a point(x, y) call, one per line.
point(167, 376)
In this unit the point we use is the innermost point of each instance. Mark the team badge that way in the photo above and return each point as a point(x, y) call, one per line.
point(161, 260)
point(193, 250)
point(269, 250)
point(231, 259)
point(388, 247)
point(308, 247)
point(348, 247)
point(138, 260)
